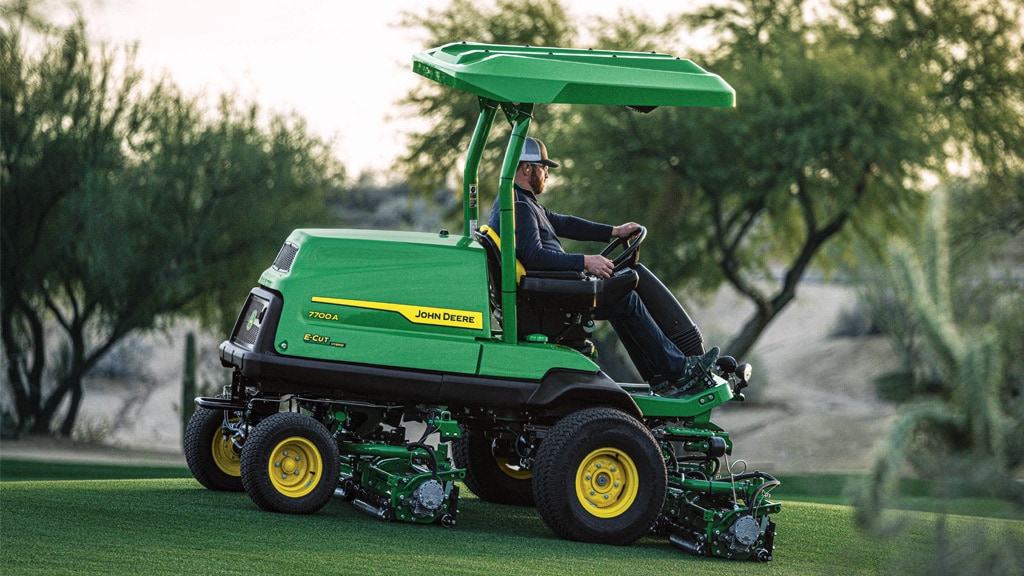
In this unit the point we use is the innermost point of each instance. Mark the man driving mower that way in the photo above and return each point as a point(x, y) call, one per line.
point(538, 248)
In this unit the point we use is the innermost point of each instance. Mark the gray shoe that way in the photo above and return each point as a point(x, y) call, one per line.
point(694, 375)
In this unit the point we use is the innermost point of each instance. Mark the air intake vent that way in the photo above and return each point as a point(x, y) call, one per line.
point(285, 257)
point(249, 323)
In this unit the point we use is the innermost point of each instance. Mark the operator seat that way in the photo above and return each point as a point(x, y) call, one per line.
point(557, 304)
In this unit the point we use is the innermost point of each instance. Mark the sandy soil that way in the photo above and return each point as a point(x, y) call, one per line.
point(812, 407)
point(815, 408)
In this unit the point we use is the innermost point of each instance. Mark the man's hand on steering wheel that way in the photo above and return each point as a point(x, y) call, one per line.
point(598, 265)
point(625, 230)
point(629, 236)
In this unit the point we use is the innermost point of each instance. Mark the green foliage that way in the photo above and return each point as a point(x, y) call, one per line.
point(964, 57)
point(972, 265)
point(732, 195)
point(60, 115)
point(220, 191)
point(124, 203)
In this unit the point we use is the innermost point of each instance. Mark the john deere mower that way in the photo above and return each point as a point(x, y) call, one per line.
point(390, 369)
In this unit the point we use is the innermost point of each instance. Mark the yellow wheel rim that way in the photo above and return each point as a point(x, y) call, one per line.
point(294, 467)
point(607, 482)
point(224, 455)
point(514, 472)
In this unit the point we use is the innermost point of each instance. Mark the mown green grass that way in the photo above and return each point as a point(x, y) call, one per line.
point(174, 526)
point(17, 469)
point(815, 487)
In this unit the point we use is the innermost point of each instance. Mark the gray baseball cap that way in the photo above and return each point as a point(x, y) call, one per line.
point(535, 152)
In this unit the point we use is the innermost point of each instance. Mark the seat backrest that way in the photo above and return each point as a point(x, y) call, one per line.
point(495, 246)
point(493, 252)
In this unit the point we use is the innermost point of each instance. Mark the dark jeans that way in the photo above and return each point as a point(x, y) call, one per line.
point(650, 350)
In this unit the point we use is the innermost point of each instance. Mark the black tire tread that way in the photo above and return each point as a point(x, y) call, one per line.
point(271, 431)
point(553, 469)
point(483, 477)
point(196, 443)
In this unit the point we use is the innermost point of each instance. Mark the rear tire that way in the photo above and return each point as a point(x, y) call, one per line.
point(488, 475)
point(290, 464)
point(599, 477)
point(211, 457)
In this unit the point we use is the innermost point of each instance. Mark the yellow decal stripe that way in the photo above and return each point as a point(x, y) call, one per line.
point(416, 314)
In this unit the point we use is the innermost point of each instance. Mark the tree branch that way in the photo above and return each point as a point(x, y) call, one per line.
point(728, 261)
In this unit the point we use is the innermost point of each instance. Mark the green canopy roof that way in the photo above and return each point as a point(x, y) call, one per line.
point(572, 76)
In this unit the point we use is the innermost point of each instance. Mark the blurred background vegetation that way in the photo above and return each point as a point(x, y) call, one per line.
point(877, 140)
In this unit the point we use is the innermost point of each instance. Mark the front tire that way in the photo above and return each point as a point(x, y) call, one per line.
point(210, 453)
point(489, 473)
point(290, 464)
point(599, 477)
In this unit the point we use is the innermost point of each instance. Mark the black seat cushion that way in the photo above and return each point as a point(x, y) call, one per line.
point(579, 294)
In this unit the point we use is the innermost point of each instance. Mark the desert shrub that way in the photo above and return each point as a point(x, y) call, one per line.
point(965, 438)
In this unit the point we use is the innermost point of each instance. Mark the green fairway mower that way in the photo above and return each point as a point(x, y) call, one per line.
point(357, 340)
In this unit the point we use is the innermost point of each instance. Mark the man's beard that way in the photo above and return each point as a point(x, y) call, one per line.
point(537, 181)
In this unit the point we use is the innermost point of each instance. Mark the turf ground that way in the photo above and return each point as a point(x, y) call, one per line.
point(160, 521)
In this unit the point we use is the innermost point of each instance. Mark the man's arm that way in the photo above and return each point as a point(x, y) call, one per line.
point(531, 250)
point(581, 229)
point(578, 228)
point(585, 230)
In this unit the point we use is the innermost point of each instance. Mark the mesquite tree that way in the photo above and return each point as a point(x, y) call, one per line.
point(125, 203)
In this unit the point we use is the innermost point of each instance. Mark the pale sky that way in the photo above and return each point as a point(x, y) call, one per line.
point(341, 65)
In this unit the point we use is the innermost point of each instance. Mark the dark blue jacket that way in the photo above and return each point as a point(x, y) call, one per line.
point(538, 230)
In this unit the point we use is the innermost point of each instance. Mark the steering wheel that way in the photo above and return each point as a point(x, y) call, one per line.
point(630, 249)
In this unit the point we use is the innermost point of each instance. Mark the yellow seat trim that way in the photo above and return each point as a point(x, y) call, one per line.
point(520, 269)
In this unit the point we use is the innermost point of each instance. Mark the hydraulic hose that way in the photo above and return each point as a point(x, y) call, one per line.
point(413, 446)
